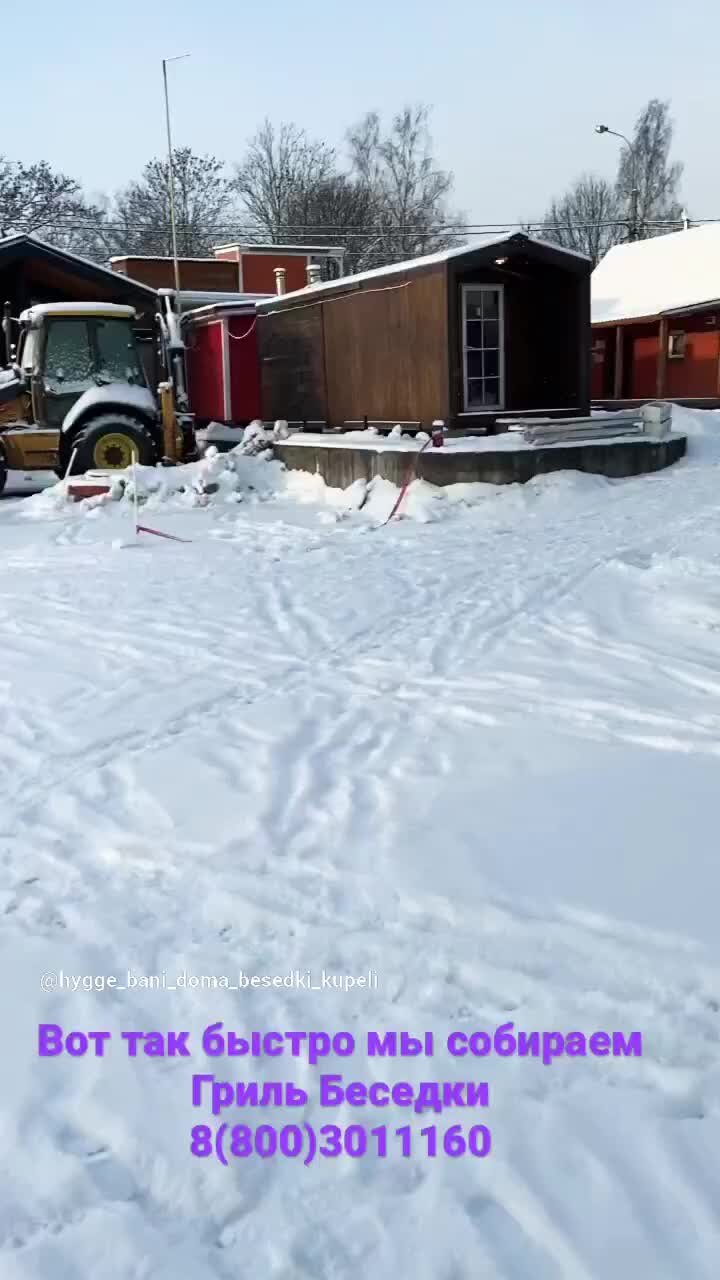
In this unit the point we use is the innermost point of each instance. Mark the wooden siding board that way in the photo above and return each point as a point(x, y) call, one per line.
point(290, 347)
point(386, 351)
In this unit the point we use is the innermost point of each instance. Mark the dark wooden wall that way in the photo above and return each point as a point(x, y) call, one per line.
point(378, 351)
point(292, 363)
point(547, 335)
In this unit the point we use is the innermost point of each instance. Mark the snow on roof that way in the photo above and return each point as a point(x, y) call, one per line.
point(210, 300)
point(153, 257)
point(667, 273)
point(77, 309)
point(279, 248)
point(427, 260)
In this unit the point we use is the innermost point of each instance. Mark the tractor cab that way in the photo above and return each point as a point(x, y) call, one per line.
point(67, 349)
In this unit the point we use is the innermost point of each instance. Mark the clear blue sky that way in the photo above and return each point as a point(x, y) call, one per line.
point(516, 87)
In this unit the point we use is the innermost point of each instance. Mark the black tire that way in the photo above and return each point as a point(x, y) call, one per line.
point(108, 441)
point(3, 471)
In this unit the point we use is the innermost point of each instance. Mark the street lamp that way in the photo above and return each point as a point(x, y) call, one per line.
point(634, 193)
point(171, 180)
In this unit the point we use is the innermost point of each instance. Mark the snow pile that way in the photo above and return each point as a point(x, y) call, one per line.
point(249, 470)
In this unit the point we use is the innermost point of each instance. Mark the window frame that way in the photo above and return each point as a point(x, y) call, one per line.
point(675, 334)
point(499, 289)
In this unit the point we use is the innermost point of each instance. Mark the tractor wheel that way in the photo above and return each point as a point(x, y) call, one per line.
point(108, 443)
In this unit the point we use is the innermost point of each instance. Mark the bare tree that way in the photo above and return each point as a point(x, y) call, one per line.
point(204, 201)
point(596, 214)
point(647, 168)
point(34, 199)
point(588, 218)
point(409, 188)
point(281, 178)
point(339, 212)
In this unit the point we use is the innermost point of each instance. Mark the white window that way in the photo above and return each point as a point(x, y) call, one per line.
point(483, 347)
point(676, 344)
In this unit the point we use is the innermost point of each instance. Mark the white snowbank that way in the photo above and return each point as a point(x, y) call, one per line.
point(249, 473)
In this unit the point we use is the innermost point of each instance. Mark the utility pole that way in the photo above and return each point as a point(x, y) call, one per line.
point(171, 179)
point(633, 221)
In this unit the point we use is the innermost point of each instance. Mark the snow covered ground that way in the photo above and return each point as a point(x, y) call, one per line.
point(475, 752)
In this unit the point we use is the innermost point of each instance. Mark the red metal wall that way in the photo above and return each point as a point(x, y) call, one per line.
point(205, 371)
point(694, 375)
point(244, 368)
point(640, 361)
point(258, 272)
point(697, 373)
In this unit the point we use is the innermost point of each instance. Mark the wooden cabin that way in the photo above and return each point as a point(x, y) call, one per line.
point(470, 335)
point(656, 320)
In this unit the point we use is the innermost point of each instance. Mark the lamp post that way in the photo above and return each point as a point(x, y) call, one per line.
point(634, 193)
point(171, 180)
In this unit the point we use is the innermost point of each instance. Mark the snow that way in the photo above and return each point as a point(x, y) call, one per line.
point(35, 312)
point(413, 264)
point(280, 248)
point(667, 273)
point(113, 393)
point(477, 757)
point(504, 442)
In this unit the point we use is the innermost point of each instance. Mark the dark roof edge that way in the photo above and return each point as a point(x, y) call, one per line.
point(83, 266)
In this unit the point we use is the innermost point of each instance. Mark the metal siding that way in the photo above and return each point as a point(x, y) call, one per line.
point(244, 369)
point(258, 271)
point(205, 371)
point(697, 373)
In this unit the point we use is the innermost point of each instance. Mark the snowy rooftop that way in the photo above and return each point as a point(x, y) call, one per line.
point(243, 247)
point(427, 260)
point(192, 300)
point(667, 273)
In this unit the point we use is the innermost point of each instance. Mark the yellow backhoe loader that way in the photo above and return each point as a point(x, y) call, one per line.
point(75, 391)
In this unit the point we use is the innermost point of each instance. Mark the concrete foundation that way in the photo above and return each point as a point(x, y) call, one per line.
point(342, 464)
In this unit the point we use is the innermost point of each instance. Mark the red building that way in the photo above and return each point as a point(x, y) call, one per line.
point(222, 363)
point(656, 320)
point(236, 268)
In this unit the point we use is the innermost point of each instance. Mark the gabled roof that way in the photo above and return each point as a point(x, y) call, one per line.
point(429, 260)
point(650, 277)
point(22, 245)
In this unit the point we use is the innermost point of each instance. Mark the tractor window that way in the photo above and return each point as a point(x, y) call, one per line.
point(118, 360)
point(68, 359)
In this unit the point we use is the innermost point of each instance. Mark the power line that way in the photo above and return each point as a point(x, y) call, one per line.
point(253, 233)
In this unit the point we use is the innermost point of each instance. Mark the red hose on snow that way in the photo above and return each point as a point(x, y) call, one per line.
point(410, 476)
